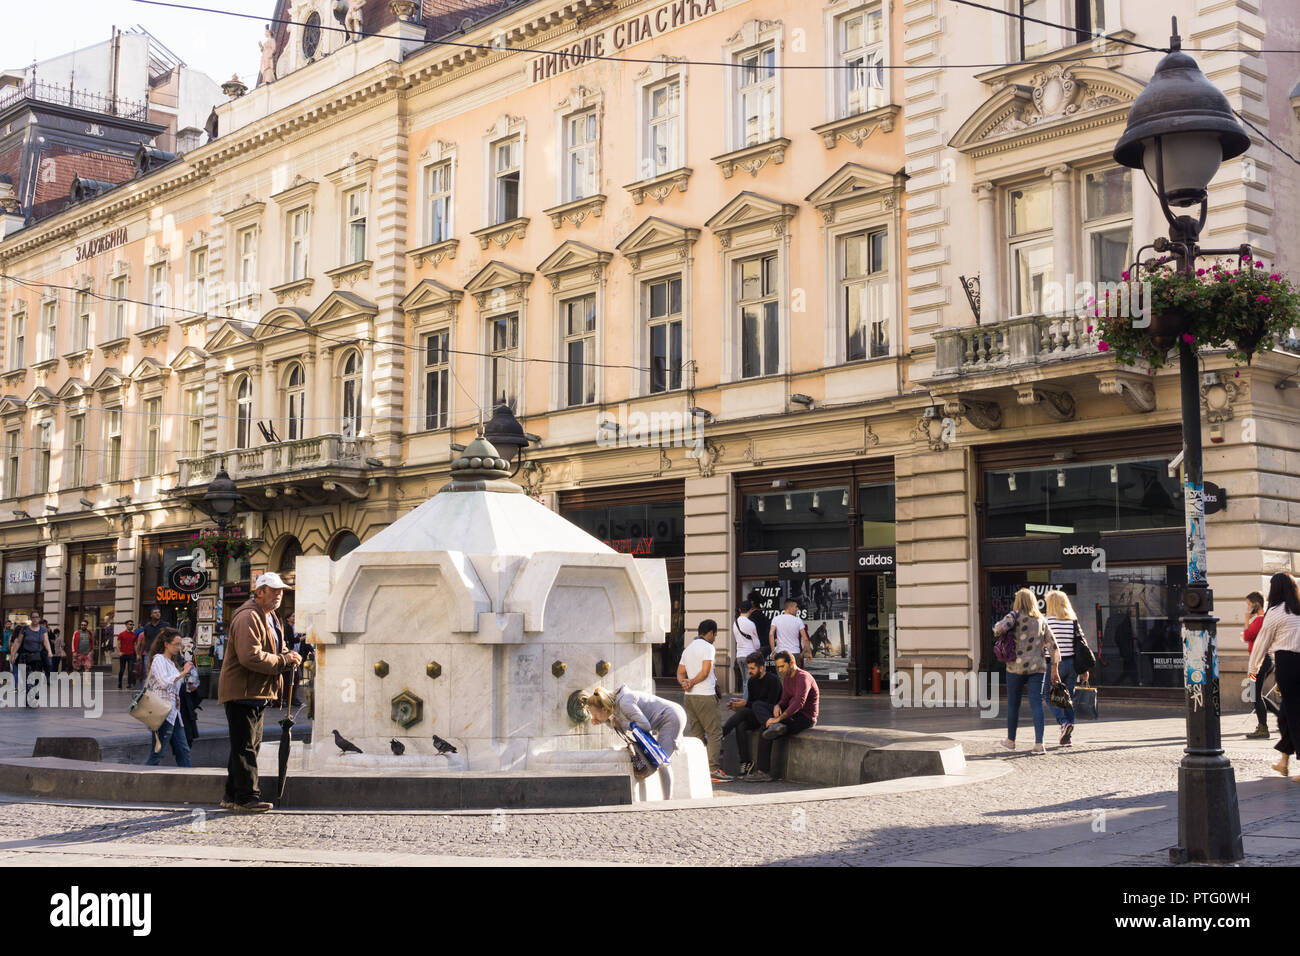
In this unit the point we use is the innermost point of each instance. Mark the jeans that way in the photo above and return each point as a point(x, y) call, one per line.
point(1261, 709)
point(745, 721)
point(1018, 684)
point(796, 724)
point(171, 731)
point(1069, 678)
point(245, 722)
point(126, 668)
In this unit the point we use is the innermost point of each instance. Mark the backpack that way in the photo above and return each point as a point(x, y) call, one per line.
point(1004, 648)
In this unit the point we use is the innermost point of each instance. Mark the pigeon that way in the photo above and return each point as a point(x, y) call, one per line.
point(399, 748)
point(345, 745)
point(444, 748)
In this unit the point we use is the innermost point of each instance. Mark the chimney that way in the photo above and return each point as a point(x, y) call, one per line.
point(191, 137)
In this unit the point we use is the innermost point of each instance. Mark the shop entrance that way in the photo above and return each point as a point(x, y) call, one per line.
point(878, 607)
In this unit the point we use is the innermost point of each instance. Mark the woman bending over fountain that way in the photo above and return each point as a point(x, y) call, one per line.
point(663, 719)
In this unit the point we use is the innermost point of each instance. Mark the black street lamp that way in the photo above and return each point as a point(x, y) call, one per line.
point(507, 436)
point(222, 498)
point(1180, 130)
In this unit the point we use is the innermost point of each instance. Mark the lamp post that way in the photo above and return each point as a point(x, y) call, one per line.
point(507, 436)
point(1180, 130)
point(221, 498)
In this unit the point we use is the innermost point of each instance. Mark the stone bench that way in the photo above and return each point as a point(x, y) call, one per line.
point(829, 756)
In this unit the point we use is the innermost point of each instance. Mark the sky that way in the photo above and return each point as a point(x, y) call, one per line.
point(216, 43)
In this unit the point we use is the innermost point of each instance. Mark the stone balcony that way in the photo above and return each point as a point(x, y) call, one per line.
point(1024, 340)
point(319, 470)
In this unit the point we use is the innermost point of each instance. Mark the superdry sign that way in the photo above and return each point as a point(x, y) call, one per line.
point(187, 580)
point(622, 35)
point(101, 244)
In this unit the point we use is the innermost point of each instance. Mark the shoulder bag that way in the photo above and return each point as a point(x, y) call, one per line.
point(1084, 659)
point(150, 708)
point(1085, 701)
point(1004, 648)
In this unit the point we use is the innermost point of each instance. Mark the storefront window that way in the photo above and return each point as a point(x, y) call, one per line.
point(813, 519)
point(876, 504)
point(653, 530)
point(1129, 615)
point(1075, 499)
point(824, 606)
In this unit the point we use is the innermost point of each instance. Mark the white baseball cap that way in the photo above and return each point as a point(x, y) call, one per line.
point(271, 580)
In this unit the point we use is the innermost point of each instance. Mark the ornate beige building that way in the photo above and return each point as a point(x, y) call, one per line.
point(727, 299)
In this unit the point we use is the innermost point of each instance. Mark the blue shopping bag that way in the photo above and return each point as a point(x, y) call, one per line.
point(654, 754)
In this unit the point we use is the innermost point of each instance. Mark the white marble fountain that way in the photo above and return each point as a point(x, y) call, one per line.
point(478, 617)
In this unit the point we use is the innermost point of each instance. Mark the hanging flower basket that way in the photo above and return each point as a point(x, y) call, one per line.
point(231, 543)
point(1242, 310)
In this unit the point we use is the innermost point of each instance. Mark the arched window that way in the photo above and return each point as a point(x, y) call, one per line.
point(296, 392)
point(344, 543)
point(243, 412)
point(351, 407)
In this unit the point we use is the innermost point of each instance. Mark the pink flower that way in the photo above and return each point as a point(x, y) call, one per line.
point(1259, 265)
point(1090, 328)
point(1103, 347)
point(1236, 374)
point(1189, 338)
point(1233, 279)
point(1124, 275)
point(1200, 272)
point(1275, 277)
point(1261, 298)
point(1091, 300)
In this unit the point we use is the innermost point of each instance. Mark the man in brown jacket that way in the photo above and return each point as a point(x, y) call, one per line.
point(251, 675)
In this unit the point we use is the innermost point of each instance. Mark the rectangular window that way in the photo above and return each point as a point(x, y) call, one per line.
point(579, 317)
point(49, 330)
point(354, 236)
point(112, 444)
point(864, 296)
point(1089, 19)
point(663, 305)
point(1033, 36)
point(11, 464)
point(437, 372)
point(756, 282)
point(193, 422)
point(121, 292)
point(157, 294)
point(663, 128)
point(152, 434)
point(299, 223)
point(246, 244)
point(1030, 225)
point(506, 171)
point(861, 79)
point(81, 330)
point(1108, 222)
point(77, 425)
point(756, 96)
point(45, 445)
point(437, 191)
point(504, 347)
point(199, 281)
point(18, 349)
point(580, 156)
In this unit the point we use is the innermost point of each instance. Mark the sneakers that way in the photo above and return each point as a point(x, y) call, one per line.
point(776, 730)
point(1259, 733)
point(758, 776)
point(1009, 744)
point(253, 806)
point(1038, 750)
point(1066, 731)
point(721, 776)
point(229, 805)
point(746, 768)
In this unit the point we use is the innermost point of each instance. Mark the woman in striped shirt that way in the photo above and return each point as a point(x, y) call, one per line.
point(1061, 621)
point(1280, 635)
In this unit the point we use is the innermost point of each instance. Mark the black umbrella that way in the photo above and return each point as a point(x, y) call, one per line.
point(286, 724)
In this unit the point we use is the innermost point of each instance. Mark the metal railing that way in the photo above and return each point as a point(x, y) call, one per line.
point(278, 458)
point(43, 92)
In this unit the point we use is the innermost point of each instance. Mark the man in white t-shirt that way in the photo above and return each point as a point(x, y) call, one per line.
point(789, 632)
point(696, 675)
point(745, 631)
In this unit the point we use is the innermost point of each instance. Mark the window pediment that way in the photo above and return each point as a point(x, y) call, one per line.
point(853, 184)
point(188, 359)
point(355, 172)
point(498, 275)
point(12, 405)
point(431, 298)
point(279, 321)
point(1047, 104)
point(341, 305)
point(655, 236)
point(246, 213)
point(149, 370)
point(229, 336)
point(571, 257)
point(300, 192)
point(107, 380)
point(750, 211)
point(73, 388)
point(40, 396)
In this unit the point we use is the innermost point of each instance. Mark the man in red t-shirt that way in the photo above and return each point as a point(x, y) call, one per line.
point(126, 641)
point(1254, 621)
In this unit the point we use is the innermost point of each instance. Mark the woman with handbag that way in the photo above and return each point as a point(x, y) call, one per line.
point(662, 719)
point(1034, 644)
point(1063, 622)
point(1280, 635)
point(165, 680)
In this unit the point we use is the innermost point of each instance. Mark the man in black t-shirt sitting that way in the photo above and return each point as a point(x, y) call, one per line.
point(761, 697)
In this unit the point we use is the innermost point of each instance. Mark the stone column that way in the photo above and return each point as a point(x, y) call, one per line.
point(322, 388)
point(368, 388)
point(310, 427)
point(1063, 264)
point(990, 254)
point(127, 598)
point(223, 411)
point(266, 407)
point(709, 572)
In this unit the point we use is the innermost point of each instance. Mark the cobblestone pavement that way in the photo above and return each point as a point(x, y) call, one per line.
point(1109, 800)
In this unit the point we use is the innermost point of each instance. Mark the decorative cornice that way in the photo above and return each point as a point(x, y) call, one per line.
point(1057, 405)
point(577, 211)
point(77, 358)
point(1137, 391)
point(986, 416)
point(114, 347)
point(300, 190)
point(352, 273)
point(434, 254)
point(152, 336)
point(752, 158)
point(660, 187)
point(292, 291)
point(855, 129)
point(12, 379)
point(501, 233)
point(47, 365)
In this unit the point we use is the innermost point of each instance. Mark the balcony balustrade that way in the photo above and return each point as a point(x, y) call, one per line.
point(279, 460)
